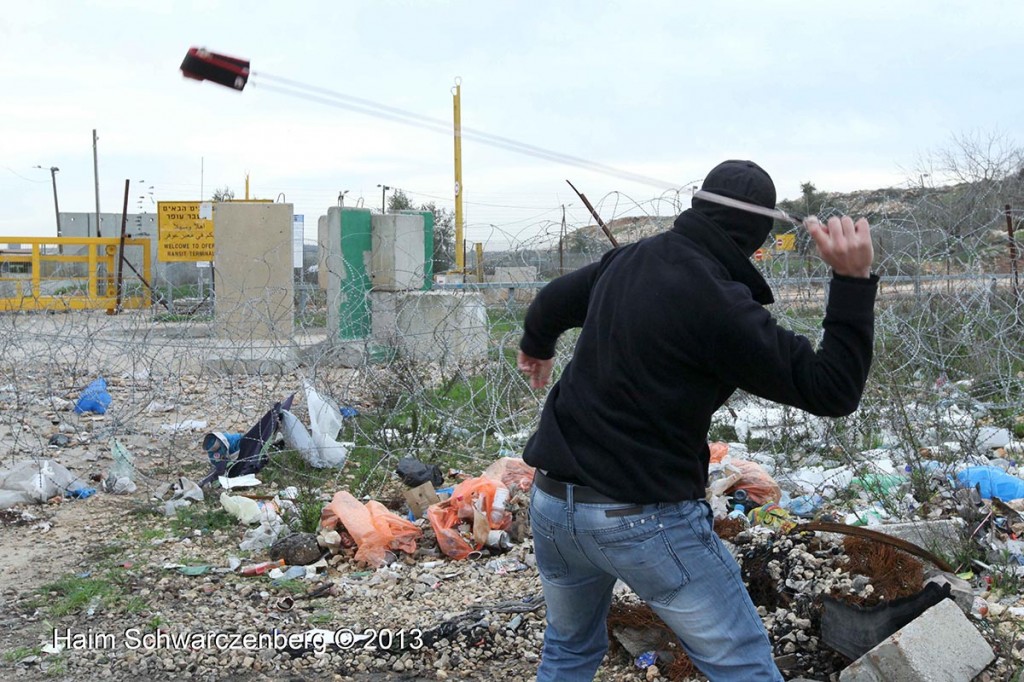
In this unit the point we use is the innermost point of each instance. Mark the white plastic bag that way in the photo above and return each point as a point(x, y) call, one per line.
point(320, 449)
point(248, 510)
point(264, 535)
point(34, 482)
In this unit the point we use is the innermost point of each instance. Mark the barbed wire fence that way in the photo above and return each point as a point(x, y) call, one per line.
point(949, 358)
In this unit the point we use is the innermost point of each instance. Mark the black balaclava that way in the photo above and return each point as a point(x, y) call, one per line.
point(746, 181)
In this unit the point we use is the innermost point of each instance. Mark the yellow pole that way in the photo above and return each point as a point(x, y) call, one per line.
point(479, 262)
point(247, 187)
point(460, 257)
point(37, 265)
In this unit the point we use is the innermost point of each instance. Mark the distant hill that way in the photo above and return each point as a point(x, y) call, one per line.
point(962, 222)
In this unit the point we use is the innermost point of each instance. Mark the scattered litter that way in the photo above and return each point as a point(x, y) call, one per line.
point(463, 522)
point(773, 516)
point(56, 403)
point(804, 506)
point(251, 450)
point(513, 472)
point(288, 573)
point(503, 565)
point(157, 406)
point(36, 481)
point(991, 437)
point(119, 480)
point(263, 536)
point(183, 492)
point(419, 499)
point(853, 631)
point(193, 570)
point(727, 473)
point(374, 528)
point(873, 515)
point(247, 481)
point(185, 425)
point(260, 568)
point(646, 659)
point(94, 398)
point(321, 449)
point(414, 473)
point(879, 485)
point(992, 482)
point(59, 440)
point(248, 510)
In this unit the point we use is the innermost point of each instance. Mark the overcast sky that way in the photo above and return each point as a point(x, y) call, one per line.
point(848, 95)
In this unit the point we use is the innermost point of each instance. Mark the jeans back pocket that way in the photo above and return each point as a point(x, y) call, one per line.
point(649, 566)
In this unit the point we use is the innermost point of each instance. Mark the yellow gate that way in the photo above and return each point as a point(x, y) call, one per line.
point(72, 273)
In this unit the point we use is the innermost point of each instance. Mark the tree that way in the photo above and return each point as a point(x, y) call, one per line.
point(399, 202)
point(225, 193)
point(444, 237)
point(444, 228)
point(811, 202)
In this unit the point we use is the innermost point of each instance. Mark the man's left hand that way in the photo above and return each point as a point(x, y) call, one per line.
point(538, 370)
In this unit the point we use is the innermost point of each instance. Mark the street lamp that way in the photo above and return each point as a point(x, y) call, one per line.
point(56, 208)
point(383, 189)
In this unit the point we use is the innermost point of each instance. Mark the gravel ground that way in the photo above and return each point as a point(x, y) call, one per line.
point(103, 572)
point(429, 618)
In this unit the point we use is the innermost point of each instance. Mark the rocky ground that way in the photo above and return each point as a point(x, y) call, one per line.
point(105, 575)
point(109, 587)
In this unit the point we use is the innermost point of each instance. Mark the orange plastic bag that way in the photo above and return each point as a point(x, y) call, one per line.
point(472, 496)
point(374, 527)
point(759, 484)
point(718, 451)
point(512, 471)
point(739, 473)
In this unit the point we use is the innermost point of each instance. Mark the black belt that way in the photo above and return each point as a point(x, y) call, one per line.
point(580, 493)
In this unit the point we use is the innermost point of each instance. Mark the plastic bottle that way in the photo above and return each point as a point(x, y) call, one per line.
point(498, 505)
point(260, 569)
point(738, 512)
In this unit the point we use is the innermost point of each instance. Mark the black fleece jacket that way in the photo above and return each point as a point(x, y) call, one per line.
point(672, 325)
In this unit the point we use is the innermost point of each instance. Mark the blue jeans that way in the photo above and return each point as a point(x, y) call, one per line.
point(671, 558)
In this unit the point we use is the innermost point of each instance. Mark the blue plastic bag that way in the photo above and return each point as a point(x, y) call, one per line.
point(804, 506)
point(94, 398)
point(992, 482)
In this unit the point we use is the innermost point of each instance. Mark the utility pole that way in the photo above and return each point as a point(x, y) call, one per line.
point(460, 254)
point(96, 180)
point(383, 189)
point(56, 208)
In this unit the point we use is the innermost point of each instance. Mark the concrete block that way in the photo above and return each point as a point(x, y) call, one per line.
point(253, 362)
point(254, 277)
point(397, 263)
point(512, 275)
point(940, 645)
point(930, 534)
point(431, 326)
point(322, 249)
